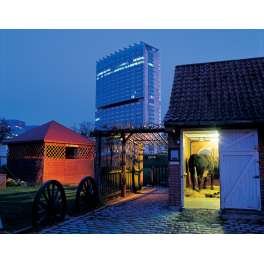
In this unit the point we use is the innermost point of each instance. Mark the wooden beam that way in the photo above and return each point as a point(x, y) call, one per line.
point(141, 168)
point(98, 163)
point(128, 137)
point(123, 176)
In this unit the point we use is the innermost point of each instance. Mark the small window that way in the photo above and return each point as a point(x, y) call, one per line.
point(71, 153)
point(206, 151)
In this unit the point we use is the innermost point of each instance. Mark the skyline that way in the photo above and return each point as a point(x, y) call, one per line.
point(51, 74)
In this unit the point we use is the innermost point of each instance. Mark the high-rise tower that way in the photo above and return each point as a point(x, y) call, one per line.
point(128, 87)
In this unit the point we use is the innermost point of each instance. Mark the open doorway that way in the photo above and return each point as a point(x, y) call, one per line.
point(200, 159)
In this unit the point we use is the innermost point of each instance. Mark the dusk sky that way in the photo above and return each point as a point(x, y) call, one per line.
point(50, 74)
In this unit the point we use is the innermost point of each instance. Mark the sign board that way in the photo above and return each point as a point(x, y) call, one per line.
point(152, 157)
point(174, 154)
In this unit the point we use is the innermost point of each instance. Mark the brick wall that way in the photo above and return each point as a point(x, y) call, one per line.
point(174, 174)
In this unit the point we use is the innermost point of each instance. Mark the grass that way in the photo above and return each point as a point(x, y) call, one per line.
point(16, 206)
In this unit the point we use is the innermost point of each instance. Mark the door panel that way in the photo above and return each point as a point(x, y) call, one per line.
point(240, 189)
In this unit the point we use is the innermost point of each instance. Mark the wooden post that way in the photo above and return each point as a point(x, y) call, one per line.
point(135, 172)
point(152, 176)
point(140, 168)
point(98, 164)
point(123, 180)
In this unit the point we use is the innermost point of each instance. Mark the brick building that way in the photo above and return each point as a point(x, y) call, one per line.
point(218, 108)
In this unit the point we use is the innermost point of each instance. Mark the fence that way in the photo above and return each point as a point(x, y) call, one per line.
point(159, 176)
point(2, 181)
point(110, 182)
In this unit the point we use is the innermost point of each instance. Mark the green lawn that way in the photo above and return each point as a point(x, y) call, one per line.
point(16, 206)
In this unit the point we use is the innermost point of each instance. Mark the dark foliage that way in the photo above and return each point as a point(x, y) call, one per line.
point(5, 130)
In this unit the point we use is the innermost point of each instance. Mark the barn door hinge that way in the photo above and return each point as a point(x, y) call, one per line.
point(257, 176)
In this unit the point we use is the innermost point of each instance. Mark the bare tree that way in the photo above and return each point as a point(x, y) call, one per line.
point(84, 128)
point(113, 126)
point(113, 146)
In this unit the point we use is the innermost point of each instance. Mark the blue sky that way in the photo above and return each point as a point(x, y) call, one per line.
point(50, 74)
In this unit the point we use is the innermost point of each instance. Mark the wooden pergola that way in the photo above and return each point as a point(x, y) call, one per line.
point(139, 137)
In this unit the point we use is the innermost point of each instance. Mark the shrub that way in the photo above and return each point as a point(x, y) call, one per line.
point(10, 182)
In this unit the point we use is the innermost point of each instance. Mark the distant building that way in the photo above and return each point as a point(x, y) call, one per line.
point(128, 87)
point(19, 127)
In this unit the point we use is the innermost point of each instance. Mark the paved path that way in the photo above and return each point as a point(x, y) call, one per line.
point(147, 213)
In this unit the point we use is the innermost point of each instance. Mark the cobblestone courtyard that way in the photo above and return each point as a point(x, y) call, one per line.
point(147, 213)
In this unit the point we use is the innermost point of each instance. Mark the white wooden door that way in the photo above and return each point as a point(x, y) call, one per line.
point(239, 169)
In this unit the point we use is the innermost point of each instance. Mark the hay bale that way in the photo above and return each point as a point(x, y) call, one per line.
point(189, 192)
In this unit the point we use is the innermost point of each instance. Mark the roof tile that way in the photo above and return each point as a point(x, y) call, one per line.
point(226, 90)
point(51, 132)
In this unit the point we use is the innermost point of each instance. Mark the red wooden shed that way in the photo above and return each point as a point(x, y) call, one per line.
point(51, 152)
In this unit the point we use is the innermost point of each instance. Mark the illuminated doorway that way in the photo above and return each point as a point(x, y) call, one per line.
point(200, 142)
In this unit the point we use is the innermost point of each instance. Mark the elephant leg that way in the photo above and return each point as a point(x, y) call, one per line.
point(193, 180)
point(205, 180)
point(200, 181)
point(212, 181)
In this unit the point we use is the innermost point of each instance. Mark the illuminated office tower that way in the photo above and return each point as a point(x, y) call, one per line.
point(128, 87)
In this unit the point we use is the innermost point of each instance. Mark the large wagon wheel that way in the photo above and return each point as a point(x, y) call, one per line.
point(86, 194)
point(49, 204)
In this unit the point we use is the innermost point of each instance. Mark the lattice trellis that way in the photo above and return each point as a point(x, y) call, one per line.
point(49, 151)
point(55, 151)
point(85, 152)
point(25, 151)
point(58, 151)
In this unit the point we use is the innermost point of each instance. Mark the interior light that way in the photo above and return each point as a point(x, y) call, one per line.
point(215, 135)
point(214, 139)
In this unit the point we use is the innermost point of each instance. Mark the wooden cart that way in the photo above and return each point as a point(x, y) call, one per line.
point(50, 201)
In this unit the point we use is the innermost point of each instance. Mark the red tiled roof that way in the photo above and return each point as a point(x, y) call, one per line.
point(218, 91)
point(51, 132)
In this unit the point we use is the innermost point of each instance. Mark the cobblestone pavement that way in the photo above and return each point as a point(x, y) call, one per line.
point(147, 213)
